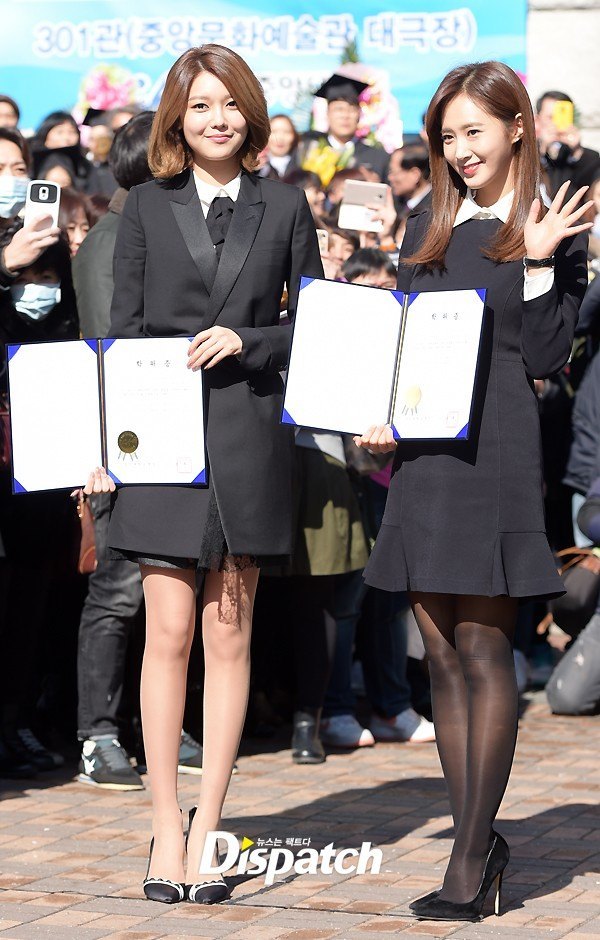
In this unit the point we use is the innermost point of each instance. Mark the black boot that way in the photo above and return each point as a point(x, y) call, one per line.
point(306, 744)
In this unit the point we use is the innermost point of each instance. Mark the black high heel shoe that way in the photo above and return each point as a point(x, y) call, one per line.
point(432, 907)
point(204, 892)
point(161, 889)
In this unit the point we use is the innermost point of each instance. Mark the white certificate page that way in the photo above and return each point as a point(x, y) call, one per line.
point(343, 356)
point(438, 363)
point(55, 414)
point(154, 412)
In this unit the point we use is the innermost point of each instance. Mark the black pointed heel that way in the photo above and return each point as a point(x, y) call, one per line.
point(204, 892)
point(432, 907)
point(161, 889)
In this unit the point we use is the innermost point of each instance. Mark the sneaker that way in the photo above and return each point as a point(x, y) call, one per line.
point(35, 746)
point(13, 767)
point(345, 731)
point(407, 726)
point(24, 745)
point(190, 756)
point(104, 763)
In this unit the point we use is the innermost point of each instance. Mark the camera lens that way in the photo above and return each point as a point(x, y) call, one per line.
point(44, 192)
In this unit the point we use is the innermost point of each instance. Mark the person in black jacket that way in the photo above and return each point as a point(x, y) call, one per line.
point(343, 115)
point(583, 466)
point(37, 304)
point(205, 250)
point(463, 529)
point(562, 155)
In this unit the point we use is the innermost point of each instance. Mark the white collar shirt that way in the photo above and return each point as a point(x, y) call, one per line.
point(470, 210)
point(207, 192)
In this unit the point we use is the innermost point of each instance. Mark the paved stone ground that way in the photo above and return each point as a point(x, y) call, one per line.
point(72, 858)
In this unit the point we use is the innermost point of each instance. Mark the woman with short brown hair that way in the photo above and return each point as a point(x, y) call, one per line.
point(206, 249)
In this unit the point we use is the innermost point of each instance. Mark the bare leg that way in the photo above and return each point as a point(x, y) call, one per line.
point(483, 633)
point(170, 611)
point(435, 616)
point(226, 630)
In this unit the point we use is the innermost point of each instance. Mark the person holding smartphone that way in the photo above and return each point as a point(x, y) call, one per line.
point(463, 529)
point(204, 250)
point(559, 139)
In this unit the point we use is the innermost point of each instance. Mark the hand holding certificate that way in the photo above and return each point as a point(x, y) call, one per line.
point(131, 406)
point(365, 358)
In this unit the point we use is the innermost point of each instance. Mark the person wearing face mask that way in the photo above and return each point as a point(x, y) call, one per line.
point(464, 529)
point(20, 245)
point(14, 172)
point(563, 157)
point(39, 304)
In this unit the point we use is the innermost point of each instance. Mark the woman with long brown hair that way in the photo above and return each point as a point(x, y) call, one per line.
point(463, 529)
point(205, 249)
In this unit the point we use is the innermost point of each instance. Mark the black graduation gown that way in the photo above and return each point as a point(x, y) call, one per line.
point(164, 269)
point(467, 517)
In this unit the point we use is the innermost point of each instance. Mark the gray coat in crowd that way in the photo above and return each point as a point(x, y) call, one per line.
point(93, 271)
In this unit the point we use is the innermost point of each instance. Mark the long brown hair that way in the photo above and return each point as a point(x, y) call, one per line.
point(499, 91)
point(168, 150)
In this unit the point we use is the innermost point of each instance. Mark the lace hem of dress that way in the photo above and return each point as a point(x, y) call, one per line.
point(214, 553)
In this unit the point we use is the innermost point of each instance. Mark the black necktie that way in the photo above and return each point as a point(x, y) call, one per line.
point(218, 219)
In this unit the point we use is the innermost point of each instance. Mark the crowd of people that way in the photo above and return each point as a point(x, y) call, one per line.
point(324, 644)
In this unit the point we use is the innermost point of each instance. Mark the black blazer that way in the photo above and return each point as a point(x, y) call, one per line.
point(167, 283)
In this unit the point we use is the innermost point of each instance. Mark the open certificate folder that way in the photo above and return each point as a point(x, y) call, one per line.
point(364, 355)
point(129, 405)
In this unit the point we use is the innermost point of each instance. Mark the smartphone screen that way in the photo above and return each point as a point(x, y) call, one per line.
point(563, 115)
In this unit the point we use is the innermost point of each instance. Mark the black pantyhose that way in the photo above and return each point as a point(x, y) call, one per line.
point(468, 640)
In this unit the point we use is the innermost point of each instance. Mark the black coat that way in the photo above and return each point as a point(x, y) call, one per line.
point(164, 265)
point(584, 459)
point(467, 517)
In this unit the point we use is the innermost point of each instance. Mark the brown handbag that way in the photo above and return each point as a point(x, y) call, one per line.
point(87, 562)
point(581, 576)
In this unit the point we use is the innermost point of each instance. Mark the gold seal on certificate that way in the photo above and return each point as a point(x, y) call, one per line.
point(128, 442)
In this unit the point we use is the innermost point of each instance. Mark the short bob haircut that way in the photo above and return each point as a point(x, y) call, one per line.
point(128, 157)
point(52, 120)
point(367, 261)
point(169, 153)
point(499, 91)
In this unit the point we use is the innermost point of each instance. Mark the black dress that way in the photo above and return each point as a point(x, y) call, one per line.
point(467, 517)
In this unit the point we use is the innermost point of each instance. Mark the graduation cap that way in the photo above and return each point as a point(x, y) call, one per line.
point(341, 88)
point(93, 116)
